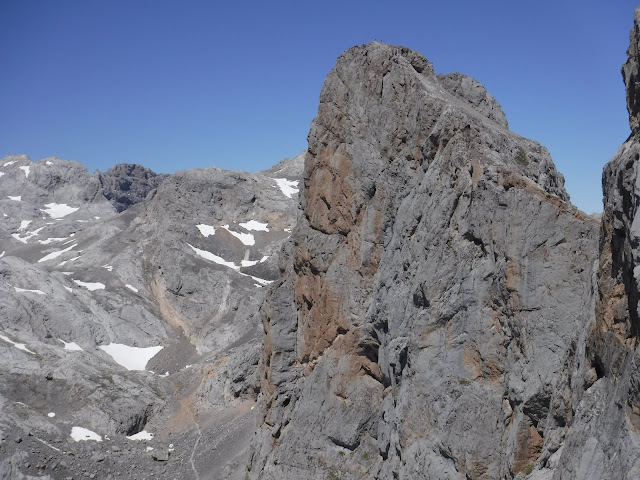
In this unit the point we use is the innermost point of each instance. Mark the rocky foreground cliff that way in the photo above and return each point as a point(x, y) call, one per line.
point(437, 285)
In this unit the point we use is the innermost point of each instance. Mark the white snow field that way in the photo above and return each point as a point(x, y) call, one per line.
point(58, 210)
point(25, 290)
point(254, 225)
point(57, 253)
point(71, 346)
point(143, 435)
point(19, 346)
point(206, 230)
point(246, 238)
point(288, 187)
point(90, 286)
point(131, 358)
point(83, 434)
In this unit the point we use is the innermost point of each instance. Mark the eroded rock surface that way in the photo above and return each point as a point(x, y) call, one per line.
point(434, 290)
point(177, 278)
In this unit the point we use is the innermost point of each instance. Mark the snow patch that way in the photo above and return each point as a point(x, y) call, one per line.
point(24, 224)
point(27, 236)
point(206, 230)
point(261, 281)
point(71, 346)
point(132, 288)
point(2, 254)
point(214, 258)
point(56, 254)
point(9, 163)
point(254, 225)
point(49, 162)
point(19, 346)
point(82, 434)
point(51, 414)
point(90, 286)
point(131, 358)
point(26, 170)
point(24, 290)
point(58, 210)
point(50, 240)
point(221, 261)
point(246, 238)
point(1, 174)
point(15, 199)
point(108, 267)
point(68, 289)
point(70, 260)
point(248, 263)
point(287, 187)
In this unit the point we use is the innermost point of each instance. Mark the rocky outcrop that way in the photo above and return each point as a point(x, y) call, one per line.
point(126, 184)
point(604, 389)
point(435, 287)
point(469, 90)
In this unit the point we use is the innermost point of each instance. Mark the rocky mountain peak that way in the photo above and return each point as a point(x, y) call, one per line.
point(424, 273)
point(126, 184)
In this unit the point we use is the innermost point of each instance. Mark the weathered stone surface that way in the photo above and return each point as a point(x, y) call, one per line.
point(434, 289)
point(469, 90)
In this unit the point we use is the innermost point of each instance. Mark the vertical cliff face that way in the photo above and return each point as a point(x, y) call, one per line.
point(435, 288)
point(603, 441)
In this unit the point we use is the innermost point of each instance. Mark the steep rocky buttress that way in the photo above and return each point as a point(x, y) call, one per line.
point(435, 288)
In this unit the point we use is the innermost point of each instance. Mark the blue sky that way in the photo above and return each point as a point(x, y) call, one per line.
point(186, 84)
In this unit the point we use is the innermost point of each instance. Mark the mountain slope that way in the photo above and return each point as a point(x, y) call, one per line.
point(94, 302)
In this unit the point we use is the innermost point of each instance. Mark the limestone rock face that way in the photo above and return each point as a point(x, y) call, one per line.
point(605, 379)
point(434, 289)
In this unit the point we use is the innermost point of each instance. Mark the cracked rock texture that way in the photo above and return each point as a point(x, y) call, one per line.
point(435, 288)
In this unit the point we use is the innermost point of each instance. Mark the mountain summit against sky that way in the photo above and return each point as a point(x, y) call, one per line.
point(412, 297)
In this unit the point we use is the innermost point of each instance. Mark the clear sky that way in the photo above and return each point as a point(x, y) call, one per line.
point(185, 84)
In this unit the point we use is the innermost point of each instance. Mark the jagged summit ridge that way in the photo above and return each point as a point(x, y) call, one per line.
point(436, 257)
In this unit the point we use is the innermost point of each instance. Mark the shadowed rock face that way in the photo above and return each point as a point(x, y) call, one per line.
point(605, 381)
point(126, 184)
point(436, 286)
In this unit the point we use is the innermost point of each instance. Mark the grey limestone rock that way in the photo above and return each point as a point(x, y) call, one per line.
point(435, 286)
point(472, 91)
